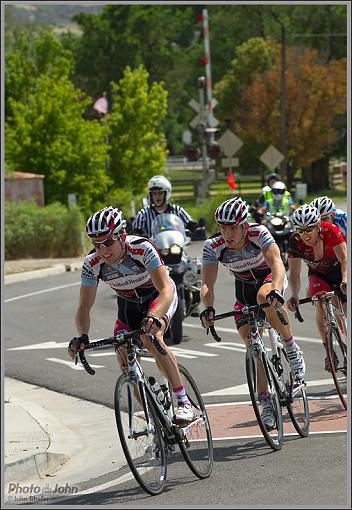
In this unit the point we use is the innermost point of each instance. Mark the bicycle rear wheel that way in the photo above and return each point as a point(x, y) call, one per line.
point(273, 437)
point(336, 351)
point(196, 444)
point(297, 400)
point(144, 450)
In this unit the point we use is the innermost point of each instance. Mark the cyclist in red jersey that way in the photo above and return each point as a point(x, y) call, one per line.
point(322, 247)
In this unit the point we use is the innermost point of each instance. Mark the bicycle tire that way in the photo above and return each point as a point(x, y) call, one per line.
point(296, 397)
point(197, 444)
point(273, 437)
point(145, 454)
point(335, 345)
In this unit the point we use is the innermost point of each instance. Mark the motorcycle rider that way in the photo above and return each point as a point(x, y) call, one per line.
point(159, 194)
point(265, 193)
point(330, 213)
point(278, 199)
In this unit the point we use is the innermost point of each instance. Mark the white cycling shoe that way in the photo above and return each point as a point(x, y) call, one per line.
point(184, 414)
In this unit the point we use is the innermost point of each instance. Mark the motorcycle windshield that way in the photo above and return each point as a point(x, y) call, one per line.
point(168, 229)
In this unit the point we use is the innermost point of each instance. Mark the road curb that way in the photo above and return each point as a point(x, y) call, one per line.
point(41, 273)
point(62, 444)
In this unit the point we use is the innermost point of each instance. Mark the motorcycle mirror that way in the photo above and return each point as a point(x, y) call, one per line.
point(202, 222)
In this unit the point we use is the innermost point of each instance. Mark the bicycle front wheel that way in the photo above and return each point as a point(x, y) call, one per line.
point(296, 397)
point(144, 449)
point(255, 365)
point(196, 443)
point(336, 351)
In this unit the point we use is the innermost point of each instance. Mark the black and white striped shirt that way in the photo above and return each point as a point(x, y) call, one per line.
point(143, 221)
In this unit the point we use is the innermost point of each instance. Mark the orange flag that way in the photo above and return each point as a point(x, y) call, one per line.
point(230, 180)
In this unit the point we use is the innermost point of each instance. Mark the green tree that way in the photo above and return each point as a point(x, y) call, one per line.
point(48, 135)
point(137, 143)
point(31, 55)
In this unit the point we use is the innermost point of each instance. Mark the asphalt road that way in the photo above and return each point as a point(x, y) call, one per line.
point(39, 321)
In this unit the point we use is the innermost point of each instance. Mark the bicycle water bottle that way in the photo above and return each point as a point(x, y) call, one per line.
point(158, 392)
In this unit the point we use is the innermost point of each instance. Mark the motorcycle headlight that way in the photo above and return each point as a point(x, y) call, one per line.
point(190, 277)
point(175, 249)
point(277, 221)
point(164, 251)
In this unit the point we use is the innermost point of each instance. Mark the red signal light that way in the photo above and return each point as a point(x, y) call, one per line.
point(203, 61)
point(214, 151)
point(192, 153)
point(200, 18)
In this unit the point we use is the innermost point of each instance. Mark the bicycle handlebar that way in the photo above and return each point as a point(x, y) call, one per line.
point(298, 315)
point(117, 340)
point(246, 310)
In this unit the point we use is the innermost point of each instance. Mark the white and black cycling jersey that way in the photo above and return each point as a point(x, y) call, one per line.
point(143, 220)
point(131, 277)
point(246, 265)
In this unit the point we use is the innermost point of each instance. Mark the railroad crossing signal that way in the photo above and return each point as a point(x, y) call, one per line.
point(200, 118)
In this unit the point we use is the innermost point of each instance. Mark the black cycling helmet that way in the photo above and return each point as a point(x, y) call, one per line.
point(275, 176)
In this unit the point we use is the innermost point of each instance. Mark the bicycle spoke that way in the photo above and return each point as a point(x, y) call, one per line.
point(143, 446)
point(197, 445)
point(273, 437)
point(296, 399)
point(336, 351)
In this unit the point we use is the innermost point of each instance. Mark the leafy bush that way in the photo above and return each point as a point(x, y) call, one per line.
point(39, 232)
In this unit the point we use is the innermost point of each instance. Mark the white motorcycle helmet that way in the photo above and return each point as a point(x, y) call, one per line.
point(159, 183)
point(278, 189)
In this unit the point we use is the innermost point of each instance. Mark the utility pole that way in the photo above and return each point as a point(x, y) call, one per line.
point(283, 100)
point(203, 126)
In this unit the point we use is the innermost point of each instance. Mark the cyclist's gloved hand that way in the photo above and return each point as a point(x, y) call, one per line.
point(343, 287)
point(151, 324)
point(292, 303)
point(275, 297)
point(77, 344)
point(206, 316)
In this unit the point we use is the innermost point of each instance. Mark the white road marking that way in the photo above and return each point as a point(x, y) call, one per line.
point(42, 291)
point(242, 389)
point(71, 364)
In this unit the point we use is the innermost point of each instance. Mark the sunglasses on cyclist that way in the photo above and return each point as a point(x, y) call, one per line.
point(326, 217)
point(105, 243)
point(302, 231)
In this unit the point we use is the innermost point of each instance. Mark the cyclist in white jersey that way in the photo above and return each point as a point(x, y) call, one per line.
point(253, 259)
point(146, 295)
point(159, 194)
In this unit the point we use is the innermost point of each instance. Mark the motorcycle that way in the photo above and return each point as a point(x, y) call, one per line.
point(170, 238)
point(280, 227)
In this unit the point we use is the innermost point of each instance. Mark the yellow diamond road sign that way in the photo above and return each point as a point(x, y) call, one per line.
point(271, 157)
point(230, 143)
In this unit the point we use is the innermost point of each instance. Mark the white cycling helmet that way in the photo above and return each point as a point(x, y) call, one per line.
point(324, 205)
point(232, 212)
point(104, 222)
point(305, 216)
point(160, 183)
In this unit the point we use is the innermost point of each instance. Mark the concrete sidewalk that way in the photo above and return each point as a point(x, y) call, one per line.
point(50, 437)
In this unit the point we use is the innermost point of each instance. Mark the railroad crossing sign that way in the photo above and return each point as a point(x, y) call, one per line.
point(201, 115)
point(271, 157)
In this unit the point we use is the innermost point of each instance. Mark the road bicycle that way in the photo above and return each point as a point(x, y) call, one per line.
point(285, 390)
point(147, 433)
point(336, 338)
